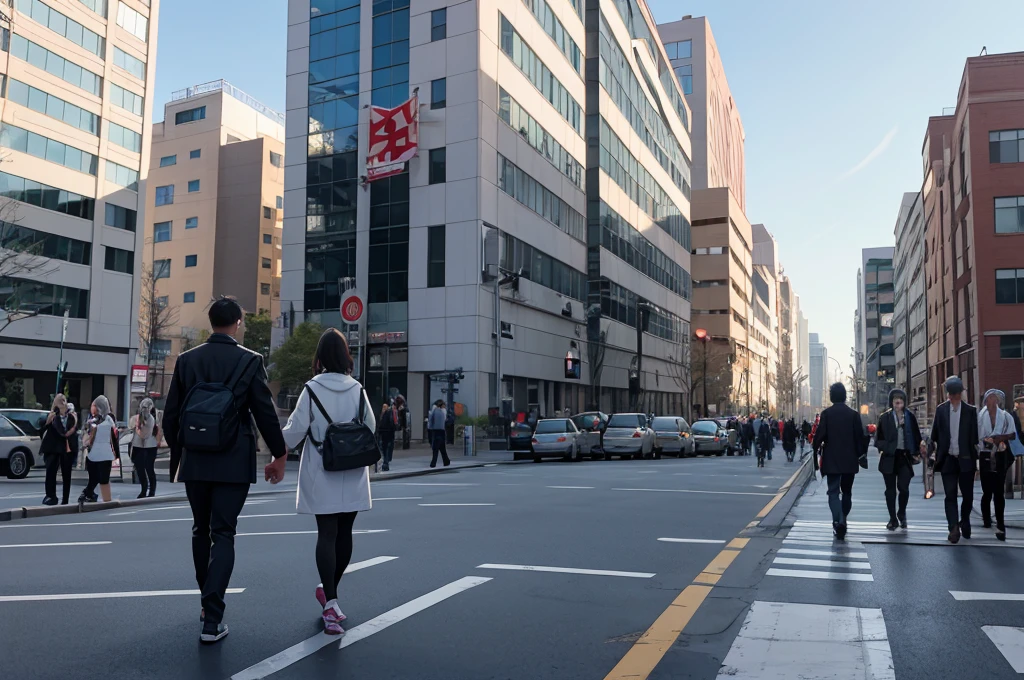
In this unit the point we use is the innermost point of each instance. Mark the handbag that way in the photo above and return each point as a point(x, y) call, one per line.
point(346, 446)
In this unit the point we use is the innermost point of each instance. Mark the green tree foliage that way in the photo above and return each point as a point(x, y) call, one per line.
point(257, 332)
point(292, 362)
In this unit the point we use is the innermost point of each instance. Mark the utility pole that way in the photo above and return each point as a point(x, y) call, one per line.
point(704, 338)
point(60, 362)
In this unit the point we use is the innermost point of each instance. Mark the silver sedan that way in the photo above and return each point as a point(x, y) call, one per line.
point(672, 435)
point(628, 435)
point(556, 437)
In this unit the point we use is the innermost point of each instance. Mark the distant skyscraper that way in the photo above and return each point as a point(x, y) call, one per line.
point(875, 315)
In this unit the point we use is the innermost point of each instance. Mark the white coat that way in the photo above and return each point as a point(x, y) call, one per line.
point(321, 492)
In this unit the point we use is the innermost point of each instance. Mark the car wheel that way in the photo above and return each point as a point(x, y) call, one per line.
point(721, 453)
point(536, 459)
point(657, 453)
point(17, 464)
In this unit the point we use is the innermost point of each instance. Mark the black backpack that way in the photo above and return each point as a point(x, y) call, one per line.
point(346, 446)
point(209, 417)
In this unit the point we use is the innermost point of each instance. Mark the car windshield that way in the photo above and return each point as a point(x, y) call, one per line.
point(552, 426)
point(666, 423)
point(630, 420)
point(705, 427)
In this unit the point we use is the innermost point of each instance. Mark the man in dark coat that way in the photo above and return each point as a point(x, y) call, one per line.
point(217, 483)
point(955, 438)
point(898, 439)
point(749, 439)
point(765, 441)
point(840, 436)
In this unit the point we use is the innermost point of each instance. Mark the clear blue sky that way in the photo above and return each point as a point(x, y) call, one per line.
point(834, 98)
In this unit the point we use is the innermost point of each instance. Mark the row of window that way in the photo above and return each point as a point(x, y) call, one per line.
point(554, 28)
point(513, 45)
point(62, 26)
point(132, 21)
point(390, 55)
point(389, 202)
point(127, 62)
point(540, 139)
point(622, 239)
point(162, 268)
point(165, 194)
point(685, 75)
point(325, 21)
point(25, 141)
point(1011, 346)
point(682, 49)
point(190, 115)
point(120, 218)
point(535, 196)
point(621, 305)
point(541, 268)
point(626, 171)
point(46, 197)
point(1009, 286)
point(337, 73)
point(341, 40)
point(123, 137)
point(162, 230)
point(21, 239)
point(1006, 146)
point(54, 107)
point(56, 65)
point(118, 260)
point(126, 99)
point(98, 6)
point(335, 114)
point(388, 265)
point(45, 298)
point(122, 176)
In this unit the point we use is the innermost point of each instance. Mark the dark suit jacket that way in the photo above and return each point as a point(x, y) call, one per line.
point(968, 435)
point(886, 439)
point(55, 436)
point(214, 361)
point(842, 434)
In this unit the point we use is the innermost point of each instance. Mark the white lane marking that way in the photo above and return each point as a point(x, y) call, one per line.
point(824, 553)
point(566, 570)
point(828, 575)
point(824, 544)
point(432, 484)
point(1010, 643)
point(1003, 597)
point(163, 507)
point(647, 472)
point(451, 505)
point(725, 493)
point(400, 498)
point(690, 540)
point(799, 561)
point(53, 545)
point(570, 487)
point(106, 596)
point(313, 531)
point(308, 647)
point(130, 521)
point(372, 562)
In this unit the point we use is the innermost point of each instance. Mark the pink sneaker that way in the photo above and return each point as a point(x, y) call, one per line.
point(332, 621)
point(321, 597)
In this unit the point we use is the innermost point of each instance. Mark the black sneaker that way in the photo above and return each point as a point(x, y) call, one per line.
point(386, 468)
point(965, 530)
point(891, 526)
point(49, 501)
point(1001, 533)
point(986, 523)
point(903, 523)
point(841, 532)
point(212, 632)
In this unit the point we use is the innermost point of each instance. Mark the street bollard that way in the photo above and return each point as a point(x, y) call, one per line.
point(468, 441)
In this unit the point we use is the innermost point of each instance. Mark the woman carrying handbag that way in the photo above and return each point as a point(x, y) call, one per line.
point(144, 446)
point(101, 440)
point(332, 494)
point(59, 447)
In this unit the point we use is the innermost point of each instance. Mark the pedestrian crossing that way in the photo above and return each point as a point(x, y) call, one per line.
point(809, 553)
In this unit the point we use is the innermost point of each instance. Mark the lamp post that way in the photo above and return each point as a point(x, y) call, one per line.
point(705, 338)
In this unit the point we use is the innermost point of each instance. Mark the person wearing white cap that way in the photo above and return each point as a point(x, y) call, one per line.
point(995, 430)
point(955, 438)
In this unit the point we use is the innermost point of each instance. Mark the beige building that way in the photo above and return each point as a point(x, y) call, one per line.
point(79, 83)
point(215, 208)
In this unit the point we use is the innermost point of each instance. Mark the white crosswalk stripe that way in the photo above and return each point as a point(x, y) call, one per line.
point(830, 560)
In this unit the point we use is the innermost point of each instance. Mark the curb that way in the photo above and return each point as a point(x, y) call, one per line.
point(34, 511)
point(791, 495)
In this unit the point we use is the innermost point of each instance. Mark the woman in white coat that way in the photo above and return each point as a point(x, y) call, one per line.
point(333, 497)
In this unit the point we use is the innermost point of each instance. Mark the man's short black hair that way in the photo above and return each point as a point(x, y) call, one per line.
point(225, 312)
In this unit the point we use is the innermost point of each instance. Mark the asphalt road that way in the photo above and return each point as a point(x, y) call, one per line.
point(421, 604)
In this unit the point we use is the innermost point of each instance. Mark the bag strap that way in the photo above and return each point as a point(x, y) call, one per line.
point(239, 372)
point(361, 418)
point(316, 400)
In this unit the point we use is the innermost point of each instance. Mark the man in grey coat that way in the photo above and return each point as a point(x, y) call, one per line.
point(841, 433)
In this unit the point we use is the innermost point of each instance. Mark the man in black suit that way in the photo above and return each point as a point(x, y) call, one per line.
point(217, 483)
point(841, 433)
point(955, 438)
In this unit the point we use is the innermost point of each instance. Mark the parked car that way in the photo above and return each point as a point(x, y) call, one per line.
point(519, 437)
point(733, 436)
point(672, 435)
point(709, 437)
point(16, 452)
point(628, 435)
point(31, 421)
point(591, 425)
point(555, 437)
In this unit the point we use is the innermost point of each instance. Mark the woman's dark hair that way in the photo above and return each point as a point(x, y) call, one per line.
point(332, 353)
point(439, 403)
point(225, 312)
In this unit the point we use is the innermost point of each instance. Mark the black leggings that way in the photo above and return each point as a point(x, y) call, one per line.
point(144, 459)
point(992, 488)
point(333, 549)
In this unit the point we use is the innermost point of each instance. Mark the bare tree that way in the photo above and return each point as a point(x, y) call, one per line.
point(711, 372)
point(157, 318)
point(22, 254)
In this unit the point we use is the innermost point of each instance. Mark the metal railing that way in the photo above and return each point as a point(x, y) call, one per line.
point(224, 86)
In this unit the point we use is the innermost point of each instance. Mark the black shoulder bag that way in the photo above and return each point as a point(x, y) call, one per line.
point(346, 446)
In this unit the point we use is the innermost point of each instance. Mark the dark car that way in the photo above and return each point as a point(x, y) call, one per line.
point(519, 437)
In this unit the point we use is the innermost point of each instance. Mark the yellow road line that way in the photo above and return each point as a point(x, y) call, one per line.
point(778, 497)
point(738, 543)
point(721, 562)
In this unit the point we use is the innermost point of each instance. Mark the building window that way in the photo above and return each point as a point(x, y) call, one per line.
point(438, 93)
point(435, 257)
point(119, 218)
point(168, 160)
point(682, 49)
point(19, 239)
point(124, 138)
point(125, 177)
point(46, 197)
point(390, 57)
point(554, 28)
point(53, 63)
point(161, 348)
point(538, 198)
point(118, 260)
point(540, 139)
point(279, 202)
point(264, 289)
point(98, 6)
point(191, 222)
point(190, 115)
point(161, 269)
point(276, 159)
point(1006, 146)
point(685, 75)
point(63, 26)
point(195, 153)
point(541, 268)
point(45, 298)
point(623, 240)
point(265, 263)
point(1009, 286)
point(438, 166)
point(193, 186)
point(439, 24)
point(189, 297)
point(161, 232)
point(132, 21)
point(1011, 346)
point(267, 213)
point(54, 107)
point(267, 239)
point(165, 195)
point(1010, 215)
point(125, 99)
point(19, 139)
point(191, 260)
point(125, 61)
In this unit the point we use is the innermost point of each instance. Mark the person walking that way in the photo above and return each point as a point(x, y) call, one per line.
point(59, 432)
point(897, 438)
point(403, 420)
point(996, 430)
point(765, 441)
point(746, 435)
point(101, 438)
point(334, 498)
point(144, 446)
point(218, 461)
point(436, 427)
point(387, 428)
point(841, 438)
point(789, 437)
point(955, 438)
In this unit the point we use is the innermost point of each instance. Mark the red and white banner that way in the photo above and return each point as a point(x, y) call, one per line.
point(394, 138)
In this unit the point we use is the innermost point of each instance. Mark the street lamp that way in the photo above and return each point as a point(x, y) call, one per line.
point(704, 337)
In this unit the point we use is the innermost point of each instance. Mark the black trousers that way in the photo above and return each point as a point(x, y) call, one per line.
point(215, 510)
point(992, 487)
point(333, 549)
point(59, 461)
point(840, 483)
point(898, 482)
point(99, 473)
point(439, 445)
point(145, 459)
point(953, 476)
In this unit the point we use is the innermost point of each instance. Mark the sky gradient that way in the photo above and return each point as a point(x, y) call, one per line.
point(834, 98)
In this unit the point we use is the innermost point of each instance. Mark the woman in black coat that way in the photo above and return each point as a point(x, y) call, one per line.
point(789, 435)
point(897, 438)
point(59, 448)
point(765, 442)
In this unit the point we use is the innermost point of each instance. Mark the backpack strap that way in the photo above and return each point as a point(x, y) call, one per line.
point(241, 367)
point(360, 418)
point(313, 399)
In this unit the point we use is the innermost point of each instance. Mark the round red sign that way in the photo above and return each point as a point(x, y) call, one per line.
point(352, 309)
